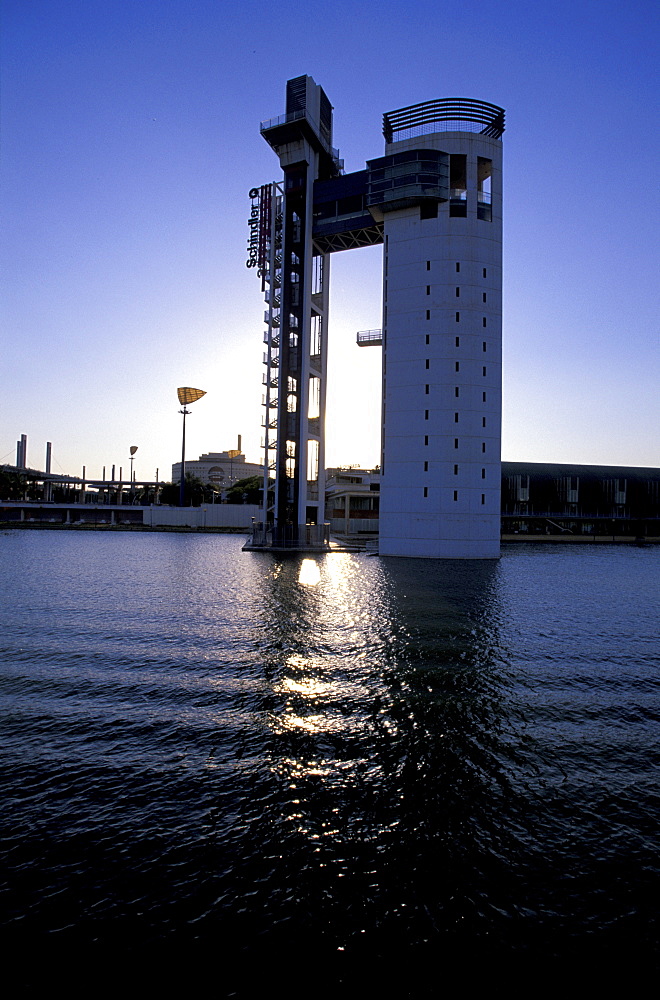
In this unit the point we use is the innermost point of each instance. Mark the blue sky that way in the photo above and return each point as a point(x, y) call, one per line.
point(130, 140)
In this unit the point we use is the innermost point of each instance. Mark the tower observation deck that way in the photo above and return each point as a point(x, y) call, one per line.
point(434, 200)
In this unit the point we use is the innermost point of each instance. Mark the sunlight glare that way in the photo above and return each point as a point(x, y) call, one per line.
point(310, 573)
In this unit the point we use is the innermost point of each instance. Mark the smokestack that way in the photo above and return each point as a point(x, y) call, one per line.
point(49, 449)
point(24, 450)
point(113, 474)
point(239, 442)
point(18, 454)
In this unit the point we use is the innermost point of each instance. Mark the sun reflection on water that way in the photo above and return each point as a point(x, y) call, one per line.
point(310, 573)
point(309, 687)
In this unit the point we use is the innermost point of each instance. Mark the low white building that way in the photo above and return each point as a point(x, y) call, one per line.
point(219, 468)
point(352, 499)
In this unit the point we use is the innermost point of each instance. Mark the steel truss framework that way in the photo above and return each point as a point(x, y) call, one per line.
point(352, 240)
point(270, 199)
point(294, 359)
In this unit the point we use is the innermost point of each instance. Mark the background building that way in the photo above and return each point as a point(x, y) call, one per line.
point(219, 468)
point(547, 498)
point(353, 501)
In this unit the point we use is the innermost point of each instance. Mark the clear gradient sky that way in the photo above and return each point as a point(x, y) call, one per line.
point(130, 139)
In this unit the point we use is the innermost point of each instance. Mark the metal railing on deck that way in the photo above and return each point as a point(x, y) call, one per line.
point(300, 115)
point(372, 337)
point(307, 536)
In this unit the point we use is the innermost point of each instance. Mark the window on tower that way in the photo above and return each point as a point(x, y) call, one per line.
point(484, 194)
point(458, 185)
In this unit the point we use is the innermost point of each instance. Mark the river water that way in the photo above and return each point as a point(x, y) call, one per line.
point(340, 773)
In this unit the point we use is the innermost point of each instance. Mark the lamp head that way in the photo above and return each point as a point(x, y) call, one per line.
point(187, 395)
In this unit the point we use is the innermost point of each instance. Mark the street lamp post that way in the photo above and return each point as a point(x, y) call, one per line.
point(133, 449)
point(186, 396)
point(182, 481)
point(232, 455)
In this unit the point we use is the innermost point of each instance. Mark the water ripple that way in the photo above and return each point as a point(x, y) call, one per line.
point(378, 768)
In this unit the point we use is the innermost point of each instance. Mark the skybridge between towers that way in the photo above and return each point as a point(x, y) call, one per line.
point(434, 202)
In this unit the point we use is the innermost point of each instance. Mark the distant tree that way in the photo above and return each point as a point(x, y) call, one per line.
point(12, 486)
point(35, 492)
point(194, 492)
point(144, 497)
point(61, 494)
point(247, 490)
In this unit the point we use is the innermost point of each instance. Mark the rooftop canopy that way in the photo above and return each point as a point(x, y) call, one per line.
point(452, 114)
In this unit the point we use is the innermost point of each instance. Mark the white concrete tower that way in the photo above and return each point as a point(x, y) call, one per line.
point(442, 329)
